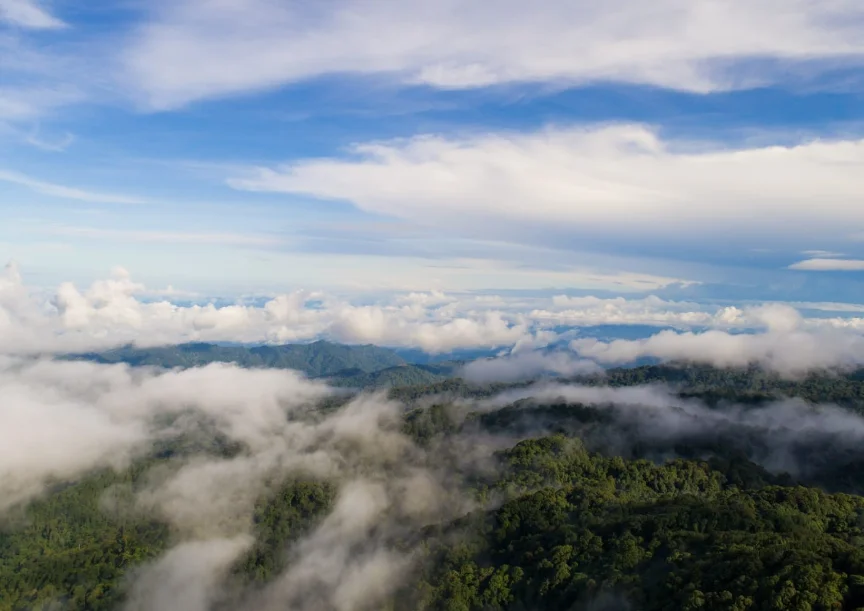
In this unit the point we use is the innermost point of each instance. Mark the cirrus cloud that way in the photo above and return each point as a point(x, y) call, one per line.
point(28, 14)
point(194, 49)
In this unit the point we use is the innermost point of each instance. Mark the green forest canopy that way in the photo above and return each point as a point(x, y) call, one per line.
point(578, 526)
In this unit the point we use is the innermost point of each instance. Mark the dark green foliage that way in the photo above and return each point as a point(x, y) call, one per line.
point(72, 548)
point(401, 376)
point(585, 513)
point(744, 385)
point(376, 367)
point(676, 536)
point(281, 518)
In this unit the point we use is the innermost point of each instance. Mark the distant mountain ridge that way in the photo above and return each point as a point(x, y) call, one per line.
point(343, 365)
point(318, 359)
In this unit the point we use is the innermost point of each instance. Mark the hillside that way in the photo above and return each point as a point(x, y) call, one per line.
point(654, 488)
point(318, 359)
point(395, 377)
point(578, 506)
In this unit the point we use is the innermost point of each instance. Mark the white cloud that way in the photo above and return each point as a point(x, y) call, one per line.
point(65, 192)
point(656, 413)
point(829, 265)
point(651, 310)
point(55, 146)
point(475, 274)
point(63, 419)
point(787, 347)
point(110, 313)
point(623, 180)
point(195, 49)
point(527, 366)
point(398, 327)
point(28, 14)
point(822, 254)
point(187, 578)
point(119, 310)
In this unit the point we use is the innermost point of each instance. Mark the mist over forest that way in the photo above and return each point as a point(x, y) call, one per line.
point(462, 305)
point(200, 478)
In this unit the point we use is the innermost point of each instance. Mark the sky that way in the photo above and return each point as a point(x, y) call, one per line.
point(707, 153)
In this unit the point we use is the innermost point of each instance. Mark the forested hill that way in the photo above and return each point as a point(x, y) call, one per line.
point(317, 359)
point(413, 375)
point(708, 504)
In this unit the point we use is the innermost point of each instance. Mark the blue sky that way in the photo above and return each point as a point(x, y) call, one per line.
point(690, 150)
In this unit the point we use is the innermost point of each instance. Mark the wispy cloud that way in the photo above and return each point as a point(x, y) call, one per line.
point(28, 14)
point(66, 192)
point(178, 237)
point(822, 254)
point(25, 102)
point(829, 265)
point(193, 49)
point(54, 146)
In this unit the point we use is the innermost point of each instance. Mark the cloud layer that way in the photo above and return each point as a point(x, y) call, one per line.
point(194, 49)
point(119, 311)
point(619, 181)
point(112, 312)
point(786, 346)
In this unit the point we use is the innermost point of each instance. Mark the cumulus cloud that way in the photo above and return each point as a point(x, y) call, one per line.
point(374, 325)
point(786, 346)
point(615, 180)
point(113, 312)
point(527, 366)
point(457, 44)
point(119, 310)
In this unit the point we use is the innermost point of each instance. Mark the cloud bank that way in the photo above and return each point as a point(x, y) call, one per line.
point(118, 311)
point(113, 312)
point(622, 180)
point(785, 347)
